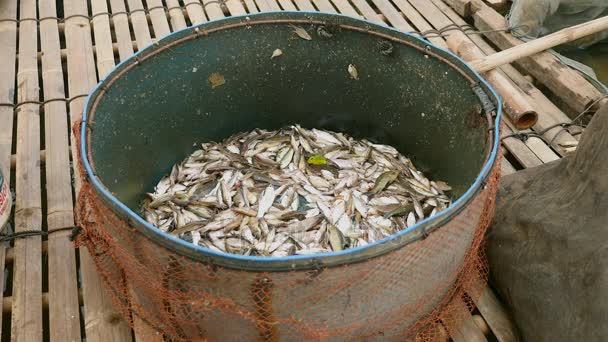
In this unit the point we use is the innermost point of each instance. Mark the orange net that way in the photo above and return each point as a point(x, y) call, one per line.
point(416, 292)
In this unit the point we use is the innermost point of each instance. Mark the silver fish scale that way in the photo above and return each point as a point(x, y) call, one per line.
point(292, 191)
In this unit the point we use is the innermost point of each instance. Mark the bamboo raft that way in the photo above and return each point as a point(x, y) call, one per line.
point(51, 290)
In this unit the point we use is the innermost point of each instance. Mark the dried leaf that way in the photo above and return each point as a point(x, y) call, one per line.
point(216, 79)
point(276, 53)
point(352, 70)
point(302, 33)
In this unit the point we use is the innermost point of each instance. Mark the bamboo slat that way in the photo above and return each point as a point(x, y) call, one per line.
point(468, 331)
point(505, 167)
point(8, 41)
point(235, 7)
point(100, 319)
point(195, 11)
point(103, 36)
point(367, 11)
point(519, 150)
point(139, 24)
point(159, 18)
point(64, 310)
point(178, 21)
point(496, 317)
point(287, 5)
point(420, 24)
point(27, 279)
point(121, 29)
point(303, 5)
point(392, 15)
point(345, 7)
point(268, 5)
point(324, 6)
point(213, 9)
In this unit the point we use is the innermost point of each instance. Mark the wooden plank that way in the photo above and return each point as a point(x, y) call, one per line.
point(420, 24)
point(505, 167)
point(158, 18)
point(367, 11)
point(287, 5)
point(27, 278)
point(303, 5)
point(462, 7)
point(268, 5)
point(139, 23)
point(195, 11)
point(8, 41)
point(566, 83)
point(495, 315)
point(519, 150)
point(121, 28)
point(468, 331)
point(64, 310)
point(103, 36)
point(536, 145)
point(345, 7)
point(176, 14)
point(324, 6)
point(392, 15)
point(213, 9)
point(100, 318)
point(498, 5)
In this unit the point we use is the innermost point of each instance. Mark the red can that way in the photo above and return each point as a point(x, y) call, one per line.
point(5, 202)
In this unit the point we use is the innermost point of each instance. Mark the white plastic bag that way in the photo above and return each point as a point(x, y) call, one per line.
point(534, 18)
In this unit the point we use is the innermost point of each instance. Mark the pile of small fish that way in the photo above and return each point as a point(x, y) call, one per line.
point(292, 191)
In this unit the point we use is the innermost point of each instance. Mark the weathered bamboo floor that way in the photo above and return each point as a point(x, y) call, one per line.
point(52, 53)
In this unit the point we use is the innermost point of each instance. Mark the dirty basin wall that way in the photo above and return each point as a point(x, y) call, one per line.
point(207, 83)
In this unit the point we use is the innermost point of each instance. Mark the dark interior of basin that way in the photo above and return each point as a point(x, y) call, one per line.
point(153, 115)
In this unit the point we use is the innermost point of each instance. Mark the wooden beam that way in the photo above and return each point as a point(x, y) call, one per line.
point(462, 7)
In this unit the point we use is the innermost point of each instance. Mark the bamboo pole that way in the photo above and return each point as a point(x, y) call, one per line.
point(516, 102)
point(538, 45)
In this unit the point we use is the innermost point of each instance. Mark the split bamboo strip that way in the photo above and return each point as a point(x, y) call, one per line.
point(324, 6)
point(176, 14)
point(468, 331)
point(195, 11)
point(505, 167)
point(287, 5)
point(303, 5)
point(8, 41)
point(420, 24)
point(159, 18)
point(345, 7)
point(64, 310)
point(27, 279)
point(100, 319)
point(140, 24)
point(213, 9)
point(268, 5)
point(124, 44)
point(393, 16)
point(519, 150)
point(462, 7)
point(235, 7)
point(103, 35)
point(368, 12)
point(495, 315)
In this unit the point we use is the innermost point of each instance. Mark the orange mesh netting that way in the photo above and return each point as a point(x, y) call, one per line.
point(416, 292)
